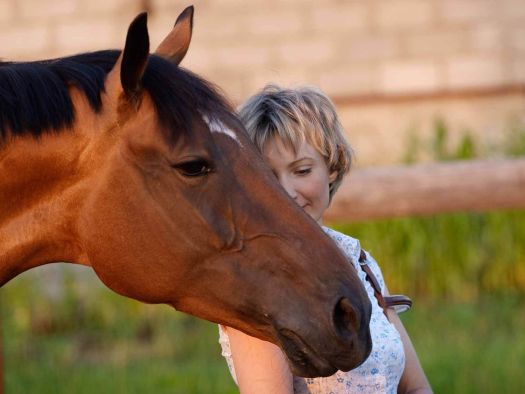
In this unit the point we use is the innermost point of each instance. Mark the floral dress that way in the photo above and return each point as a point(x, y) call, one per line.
point(382, 370)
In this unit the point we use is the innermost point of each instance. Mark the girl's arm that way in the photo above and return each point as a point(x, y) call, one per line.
point(413, 380)
point(260, 366)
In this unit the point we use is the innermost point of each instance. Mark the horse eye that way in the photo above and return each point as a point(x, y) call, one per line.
point(194, 168)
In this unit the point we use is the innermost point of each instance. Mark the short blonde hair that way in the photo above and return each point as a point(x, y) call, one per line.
point(298, 115)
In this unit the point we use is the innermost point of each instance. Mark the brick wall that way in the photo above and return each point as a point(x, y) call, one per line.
point(353, 48)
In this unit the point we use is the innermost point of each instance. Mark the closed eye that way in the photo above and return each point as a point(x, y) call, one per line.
point(194, 168)
point(303, 171)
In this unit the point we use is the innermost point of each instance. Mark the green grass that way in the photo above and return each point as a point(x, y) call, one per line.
point(453, 257)
point(471, 347)
point(464, 347)
point(127, 347)
point(465, 273)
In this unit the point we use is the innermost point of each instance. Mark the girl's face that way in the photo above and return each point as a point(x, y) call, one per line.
point(304, 175)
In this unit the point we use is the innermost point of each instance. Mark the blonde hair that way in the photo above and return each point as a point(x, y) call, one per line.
point(295, 116)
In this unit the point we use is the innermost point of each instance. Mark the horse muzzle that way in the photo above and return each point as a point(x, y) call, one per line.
point(314, 357)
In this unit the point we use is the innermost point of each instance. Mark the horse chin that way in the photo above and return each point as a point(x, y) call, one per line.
point(309, 370)
point(303, 361)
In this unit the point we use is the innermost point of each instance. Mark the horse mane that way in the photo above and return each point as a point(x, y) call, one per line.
point(35, 99)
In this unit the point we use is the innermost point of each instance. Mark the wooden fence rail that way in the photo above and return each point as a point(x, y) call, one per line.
point(477, 185)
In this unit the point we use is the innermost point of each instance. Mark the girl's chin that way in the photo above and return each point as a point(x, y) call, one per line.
point(313, 215)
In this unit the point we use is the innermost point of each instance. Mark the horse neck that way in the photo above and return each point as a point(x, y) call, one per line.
point(40, 195)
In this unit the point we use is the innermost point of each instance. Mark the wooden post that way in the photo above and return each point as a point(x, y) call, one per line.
point(476, 185)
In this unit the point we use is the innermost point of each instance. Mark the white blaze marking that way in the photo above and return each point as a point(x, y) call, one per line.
point(216, 126)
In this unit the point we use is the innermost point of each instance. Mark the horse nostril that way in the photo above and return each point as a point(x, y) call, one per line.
point(346, 318)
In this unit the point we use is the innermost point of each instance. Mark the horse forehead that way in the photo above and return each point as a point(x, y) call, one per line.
point(215, 125)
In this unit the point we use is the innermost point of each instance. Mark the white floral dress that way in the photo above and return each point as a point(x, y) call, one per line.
point(382, 370)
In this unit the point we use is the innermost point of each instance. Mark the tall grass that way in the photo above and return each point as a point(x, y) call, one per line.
point(440, 146)
point(471, 347)
point(451, 257)
point(465, 347)
point(100, 342)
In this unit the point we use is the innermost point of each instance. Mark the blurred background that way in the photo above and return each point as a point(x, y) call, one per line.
point(414, 81)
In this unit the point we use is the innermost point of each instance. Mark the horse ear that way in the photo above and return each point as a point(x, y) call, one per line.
point(176, 44)
point(135, 55)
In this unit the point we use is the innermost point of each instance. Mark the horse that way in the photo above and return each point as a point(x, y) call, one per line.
point(123, 161)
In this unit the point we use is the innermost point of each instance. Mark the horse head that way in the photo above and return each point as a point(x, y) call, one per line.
point(169, 202)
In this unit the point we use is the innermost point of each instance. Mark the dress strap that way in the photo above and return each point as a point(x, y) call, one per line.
point(400, 303)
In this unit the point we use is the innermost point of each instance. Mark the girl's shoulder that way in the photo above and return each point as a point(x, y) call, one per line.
point(350, 246)
point(352, 249)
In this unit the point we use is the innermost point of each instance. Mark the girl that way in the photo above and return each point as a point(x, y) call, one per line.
point(301, 138)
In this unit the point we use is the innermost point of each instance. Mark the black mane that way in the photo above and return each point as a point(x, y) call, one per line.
point(34, 96)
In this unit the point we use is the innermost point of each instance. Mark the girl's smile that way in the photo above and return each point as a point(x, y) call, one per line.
point(303, 174)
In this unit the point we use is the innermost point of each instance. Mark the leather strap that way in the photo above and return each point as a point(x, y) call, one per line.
point(400, 303)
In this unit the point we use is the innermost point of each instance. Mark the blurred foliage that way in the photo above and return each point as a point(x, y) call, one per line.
point(453, 256)
point(465, 272)
point(100, 342)
point(514, 144)
point(137, 348)
point(470, 347)
point(440, 146)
